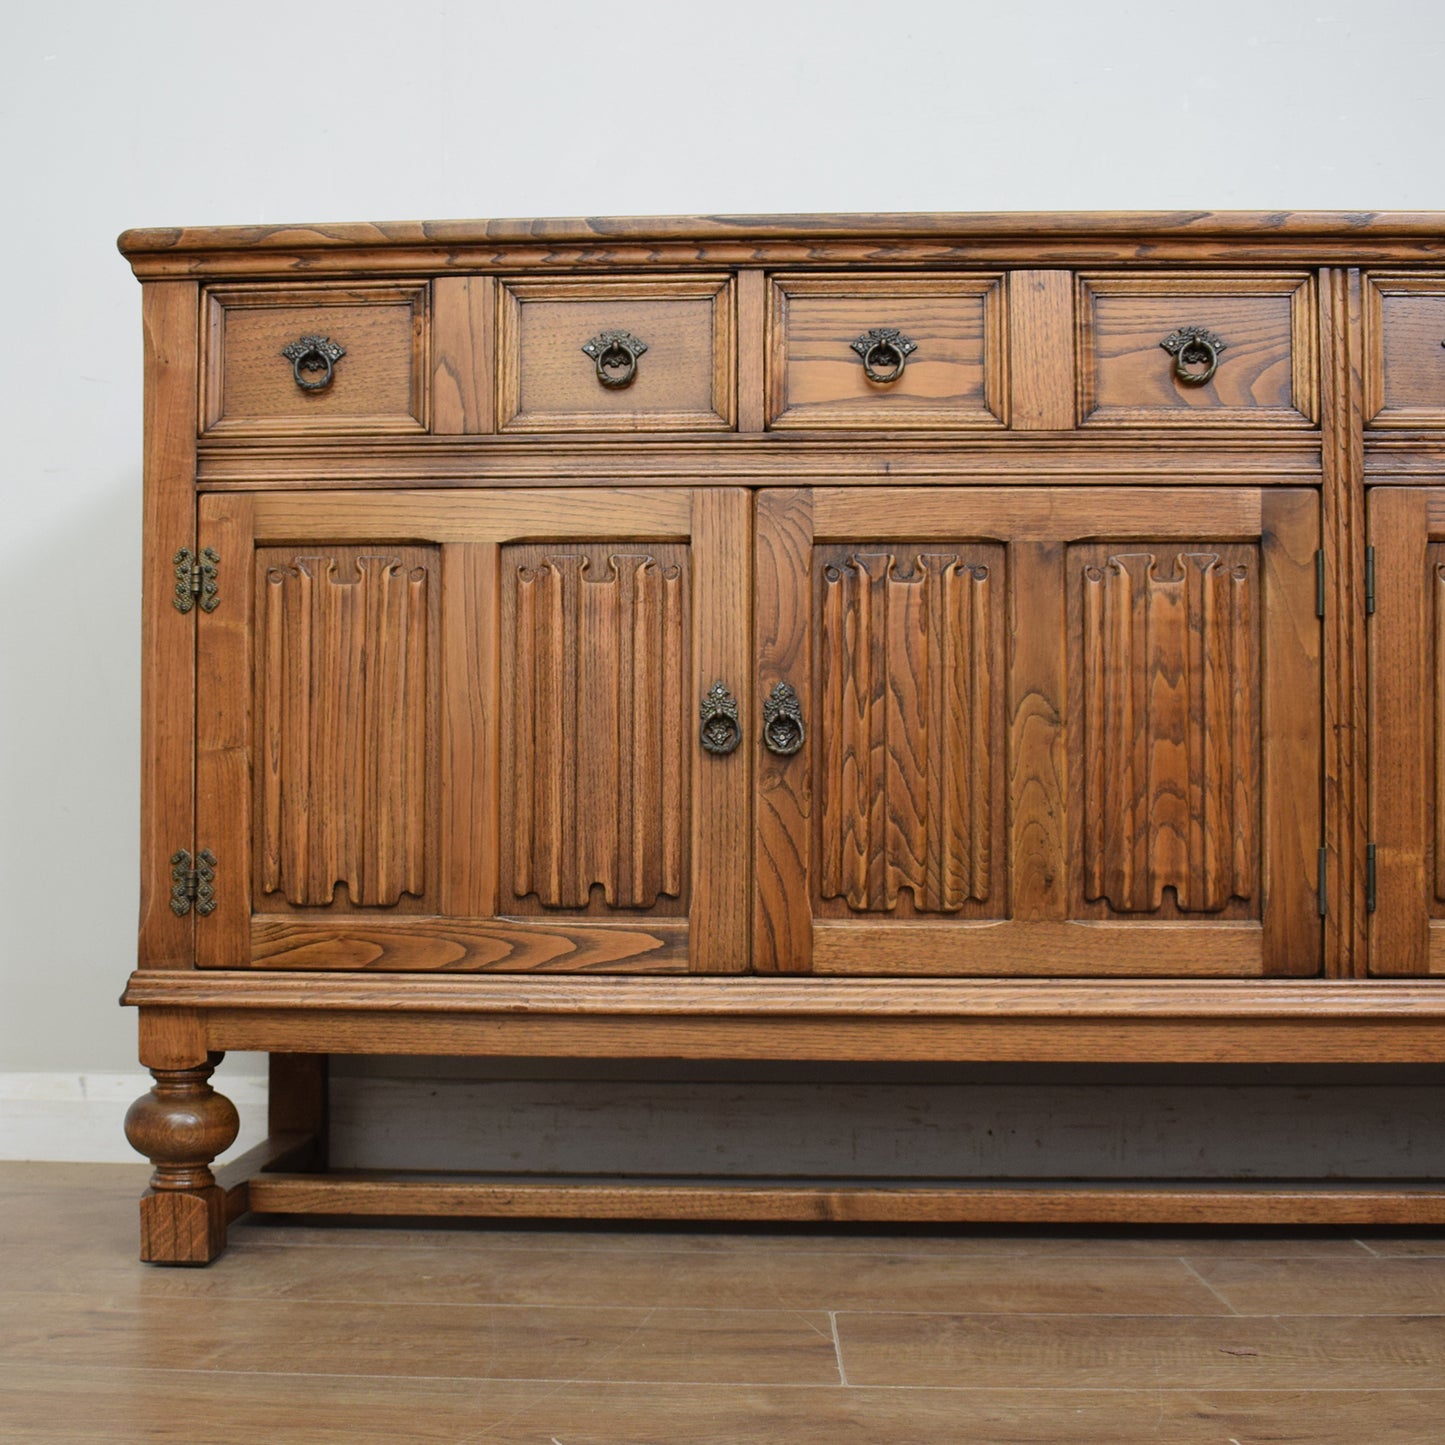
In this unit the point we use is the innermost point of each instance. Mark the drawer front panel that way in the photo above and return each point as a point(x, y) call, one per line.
point(943, 368)
point(1405, 377)
point(619, 354)
point(371, 381)
point(1197, 349)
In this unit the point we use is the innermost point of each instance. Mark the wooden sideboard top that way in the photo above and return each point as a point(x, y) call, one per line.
point(1068, 237)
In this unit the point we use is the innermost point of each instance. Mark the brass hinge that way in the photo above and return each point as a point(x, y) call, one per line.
point(1322, 881)
point(1370, 878)
point(1319, 582)
point(196, 579)
point(1369, 581)
point(193, 882)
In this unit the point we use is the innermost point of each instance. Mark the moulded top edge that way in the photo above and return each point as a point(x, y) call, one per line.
point(290, 237)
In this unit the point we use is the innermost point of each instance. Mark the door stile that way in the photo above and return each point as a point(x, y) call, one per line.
point(470, 728)
point(224, 652)
point(1401, 734)
point(1292, 703)
point(722, 553)
point(1038, 761)
point(783, 883)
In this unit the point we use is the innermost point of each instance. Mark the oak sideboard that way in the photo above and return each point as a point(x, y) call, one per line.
point(924, 638)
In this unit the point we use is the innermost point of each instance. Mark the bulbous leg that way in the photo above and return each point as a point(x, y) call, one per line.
point(180, 1126)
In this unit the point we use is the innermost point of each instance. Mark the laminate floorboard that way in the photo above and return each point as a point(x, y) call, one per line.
point(317, 1335)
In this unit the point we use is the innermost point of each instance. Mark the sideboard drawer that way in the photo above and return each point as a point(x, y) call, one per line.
point(617, 354)
point(1197, 349)
point(289, 360)
point(890, 352)
point(1405, 378)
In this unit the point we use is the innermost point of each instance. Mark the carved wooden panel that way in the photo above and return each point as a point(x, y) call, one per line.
point(1169, 656)
point(908, 726)
point(345, 689)
point(597, 727)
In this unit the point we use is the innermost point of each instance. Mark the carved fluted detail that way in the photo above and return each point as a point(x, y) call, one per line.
point(1171, 731)
point(344, 678)
point(905, 729)
point(597, 734)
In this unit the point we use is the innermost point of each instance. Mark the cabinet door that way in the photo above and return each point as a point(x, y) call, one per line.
point(1407, 730)
point(444, 730)
point(1071, 731)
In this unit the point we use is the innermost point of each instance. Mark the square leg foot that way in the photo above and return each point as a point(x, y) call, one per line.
point(182, 1226)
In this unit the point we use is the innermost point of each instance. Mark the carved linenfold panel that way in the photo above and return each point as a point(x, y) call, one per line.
point(345, 692)
point(1171, 700)
point(597, 740)
point(906, 737)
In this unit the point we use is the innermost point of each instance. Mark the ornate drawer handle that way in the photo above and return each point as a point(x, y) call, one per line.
point(314, 353)
point(615, 353)
point(884, 347)
point(1193, 346)
point(783, 732)
point(721, 731)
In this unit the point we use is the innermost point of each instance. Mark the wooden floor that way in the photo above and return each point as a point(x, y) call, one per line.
point(316, 1335)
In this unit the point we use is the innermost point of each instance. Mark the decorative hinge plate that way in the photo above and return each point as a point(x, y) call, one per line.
point(196, 579)
point(1370, 878)
point(1369, 581)
point(193, 882)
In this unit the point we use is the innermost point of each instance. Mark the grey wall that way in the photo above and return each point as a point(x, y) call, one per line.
point(171, 112)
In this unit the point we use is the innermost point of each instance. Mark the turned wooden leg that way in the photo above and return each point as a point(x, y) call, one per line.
point(180, 1126)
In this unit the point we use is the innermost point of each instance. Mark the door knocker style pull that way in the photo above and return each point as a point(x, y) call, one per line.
point(721, 731)
point(783, 732)
point(314, 353)
point(885, 351)
point(1193, 346)
point(615, 353)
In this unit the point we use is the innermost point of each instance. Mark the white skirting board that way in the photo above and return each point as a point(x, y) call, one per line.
point(80, 1117)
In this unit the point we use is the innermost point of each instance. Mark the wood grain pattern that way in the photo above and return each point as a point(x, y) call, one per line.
point(1405, 349)
point(1401, 745)
point(559, 514)
point(720, 915)
point(1041, 350)
point(422, 944)
point(347, 683)
point(1342, 533)
point(783, 798)
point(752, 345)
point(907, 727)
point(1038, 752)
point(463, 388)
point(226, 801)
point(378, 387)
point(168, 670)
point(956, 378)
point(826, 1200)
point(1266, 376)
point(782, 459)
point(471, 728)
point(595, 669)
point(1171, 745)
point(684, 382)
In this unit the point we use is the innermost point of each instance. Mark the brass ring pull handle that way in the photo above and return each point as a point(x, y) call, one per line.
point(721, 732)
point(1193, 346)
point(615, 353)
point(314, 353)
point(783, 732)
point(885, 351)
